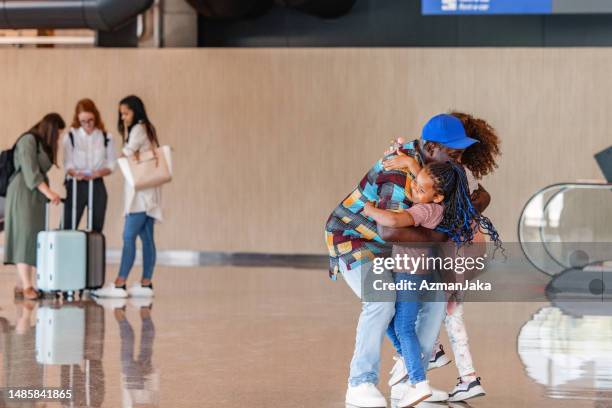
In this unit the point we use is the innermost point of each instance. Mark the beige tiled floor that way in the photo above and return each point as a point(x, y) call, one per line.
point(283, 338)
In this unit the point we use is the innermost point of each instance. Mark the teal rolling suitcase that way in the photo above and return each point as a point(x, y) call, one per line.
point(61, 259)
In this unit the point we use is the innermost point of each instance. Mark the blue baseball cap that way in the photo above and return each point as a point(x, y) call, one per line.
point(448, 131)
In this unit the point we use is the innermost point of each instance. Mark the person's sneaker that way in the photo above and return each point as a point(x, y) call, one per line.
point(414, 394)
point(111, 303)
point(140, 302)
point(137, 290)
point(110, 291)
point(365, 395)
point(437, 395)
point(439, 359)
point(397, 364)
point(464, 391)
point(398, 372)
point(398, 390)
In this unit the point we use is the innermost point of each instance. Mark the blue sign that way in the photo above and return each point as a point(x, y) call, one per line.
point(477, 7)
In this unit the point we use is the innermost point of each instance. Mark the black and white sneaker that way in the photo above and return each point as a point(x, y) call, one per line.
point(440, 359)
point(464, 391)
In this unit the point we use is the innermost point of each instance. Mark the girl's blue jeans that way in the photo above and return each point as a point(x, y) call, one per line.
point(407, 308)
point(138, 225)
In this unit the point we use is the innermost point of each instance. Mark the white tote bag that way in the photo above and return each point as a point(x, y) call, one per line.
point(152, 168)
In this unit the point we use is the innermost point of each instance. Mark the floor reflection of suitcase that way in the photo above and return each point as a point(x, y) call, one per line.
point(86, 382)
point(94, 331)
point(60, 335)
point(72, 337)
point(60, 259)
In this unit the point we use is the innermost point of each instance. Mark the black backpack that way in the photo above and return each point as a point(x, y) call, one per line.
point(7, 166)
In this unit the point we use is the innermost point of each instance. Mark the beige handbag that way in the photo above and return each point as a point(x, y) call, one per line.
point(151, 168)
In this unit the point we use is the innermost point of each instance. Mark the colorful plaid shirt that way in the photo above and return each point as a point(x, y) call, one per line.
point(353, 237)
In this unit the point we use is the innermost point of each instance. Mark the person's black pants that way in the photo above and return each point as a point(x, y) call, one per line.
point(100, 199)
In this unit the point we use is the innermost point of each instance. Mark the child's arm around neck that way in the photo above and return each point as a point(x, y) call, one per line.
point(388, 218)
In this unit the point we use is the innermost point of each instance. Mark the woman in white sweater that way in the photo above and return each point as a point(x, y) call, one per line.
point(142, 208)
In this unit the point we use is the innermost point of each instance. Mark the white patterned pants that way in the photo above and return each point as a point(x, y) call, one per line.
point(458, 337)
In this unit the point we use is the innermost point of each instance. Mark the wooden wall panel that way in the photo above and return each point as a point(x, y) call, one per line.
point(268, 141)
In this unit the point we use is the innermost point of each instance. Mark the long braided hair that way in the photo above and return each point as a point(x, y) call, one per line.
point(460, 220)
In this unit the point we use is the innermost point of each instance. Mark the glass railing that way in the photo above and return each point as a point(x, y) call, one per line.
point(567, 225)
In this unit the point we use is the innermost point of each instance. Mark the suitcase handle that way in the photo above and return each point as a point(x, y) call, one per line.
point(89, 204)
point(47, 204)
point(74, 203)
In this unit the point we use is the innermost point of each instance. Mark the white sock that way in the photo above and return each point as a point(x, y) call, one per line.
point(466, 379)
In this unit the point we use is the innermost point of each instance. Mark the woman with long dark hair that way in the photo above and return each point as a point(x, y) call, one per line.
point(142, 208)
point(35, 153)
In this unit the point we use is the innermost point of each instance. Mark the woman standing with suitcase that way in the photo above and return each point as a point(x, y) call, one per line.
point(35, 152)
point(142, 207)
point(89, 154)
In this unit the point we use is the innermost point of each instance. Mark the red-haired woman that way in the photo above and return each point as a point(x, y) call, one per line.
point(89, 154)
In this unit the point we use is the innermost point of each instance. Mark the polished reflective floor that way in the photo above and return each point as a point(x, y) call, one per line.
point(279, 337)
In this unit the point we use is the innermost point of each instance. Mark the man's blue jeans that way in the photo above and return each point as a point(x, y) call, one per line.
point(138, 225)
point(373, 322)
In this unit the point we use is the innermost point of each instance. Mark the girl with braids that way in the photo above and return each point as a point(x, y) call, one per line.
point(441, 200)
point(478, 159)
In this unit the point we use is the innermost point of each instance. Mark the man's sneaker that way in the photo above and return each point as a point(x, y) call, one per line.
point(414, 394)
point(464, 391)
point(365, 395)
point(110, 291)
point(439, 359)
point(398, 372)
point(137, 290)
point(398, 390)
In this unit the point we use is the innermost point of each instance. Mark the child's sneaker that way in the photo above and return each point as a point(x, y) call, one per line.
point(439, 359)
point(398, 391)
point(464, 390)
point(398, 372)
point(415, 394)
point(397, 364)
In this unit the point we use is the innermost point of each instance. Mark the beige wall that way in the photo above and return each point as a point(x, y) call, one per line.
point(268, 141)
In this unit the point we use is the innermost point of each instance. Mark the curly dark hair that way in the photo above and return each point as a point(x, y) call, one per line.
point(480, 158)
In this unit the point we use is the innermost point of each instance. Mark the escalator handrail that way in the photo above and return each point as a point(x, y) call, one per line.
point(562, 187)
point(541, 229)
